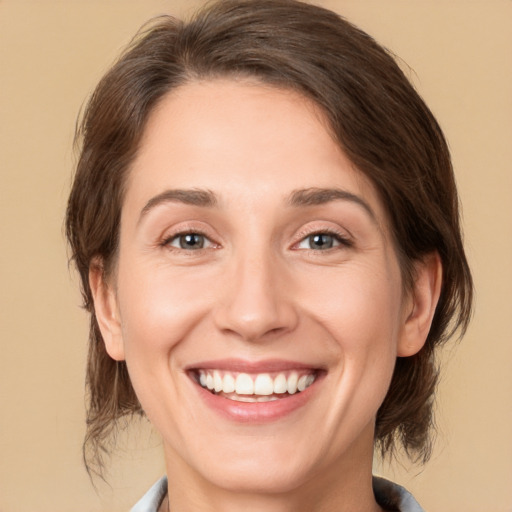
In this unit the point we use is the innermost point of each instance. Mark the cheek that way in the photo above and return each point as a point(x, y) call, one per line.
point(158, 311)
point(158, 308)
point(360, 306)
point(361, 311)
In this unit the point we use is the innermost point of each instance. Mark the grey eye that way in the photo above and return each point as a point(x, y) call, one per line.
point(321, 241)
point(189, 241)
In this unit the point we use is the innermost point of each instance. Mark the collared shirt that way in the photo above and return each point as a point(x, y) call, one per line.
point(388, 495)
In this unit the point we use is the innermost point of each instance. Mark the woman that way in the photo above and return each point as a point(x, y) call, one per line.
point(265, 221)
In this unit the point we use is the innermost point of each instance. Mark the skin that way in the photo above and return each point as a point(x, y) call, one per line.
point(258, 290)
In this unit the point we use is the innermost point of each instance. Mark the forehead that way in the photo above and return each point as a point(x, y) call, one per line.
point(240, 139)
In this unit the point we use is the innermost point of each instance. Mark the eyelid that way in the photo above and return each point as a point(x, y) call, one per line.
point(344, 238)
point(169, 242)
point(185, 229)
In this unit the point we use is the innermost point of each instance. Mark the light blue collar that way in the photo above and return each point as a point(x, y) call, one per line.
point(387, 494)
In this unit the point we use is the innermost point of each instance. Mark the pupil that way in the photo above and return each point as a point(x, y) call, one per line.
point(191, 241)
point(321, 241)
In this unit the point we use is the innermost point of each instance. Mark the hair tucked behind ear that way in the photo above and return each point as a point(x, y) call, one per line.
point(374, 113)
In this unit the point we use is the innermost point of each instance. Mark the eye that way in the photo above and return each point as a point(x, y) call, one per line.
point(322, 241)
point(188, 241)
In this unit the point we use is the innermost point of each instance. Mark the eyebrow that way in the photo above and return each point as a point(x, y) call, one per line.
point(194, 197)
point(319, 196)
point(298, 198)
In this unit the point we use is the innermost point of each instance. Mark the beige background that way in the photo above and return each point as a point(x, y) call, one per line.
point(51, 55)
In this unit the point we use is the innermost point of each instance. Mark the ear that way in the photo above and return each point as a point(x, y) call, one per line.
point(421, 304)
point(106, 310)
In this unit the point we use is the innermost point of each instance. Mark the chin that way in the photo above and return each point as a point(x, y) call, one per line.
point(259, 476)
point(266, 461)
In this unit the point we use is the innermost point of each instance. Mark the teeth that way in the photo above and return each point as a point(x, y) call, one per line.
point(254, 388)
point(301, 385)
point(217, 381)
point(267, 398)
point(263, 385)
point(242, 398)
point(229, 383)
point(280, 384)
point(244, 385)
point(292, 383)
point(251, 399)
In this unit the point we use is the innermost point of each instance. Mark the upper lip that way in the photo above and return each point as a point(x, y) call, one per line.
point(245, 366)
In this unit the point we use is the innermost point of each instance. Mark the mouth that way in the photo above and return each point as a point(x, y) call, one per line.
point(255, 387)
point(256, 392)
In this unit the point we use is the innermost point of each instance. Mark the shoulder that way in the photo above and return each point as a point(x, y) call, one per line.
point(153, 498)
point(394, 497)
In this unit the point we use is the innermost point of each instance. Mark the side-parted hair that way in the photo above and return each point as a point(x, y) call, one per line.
point(374, 114)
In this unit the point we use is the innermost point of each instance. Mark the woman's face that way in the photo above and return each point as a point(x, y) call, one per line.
point(254, 259)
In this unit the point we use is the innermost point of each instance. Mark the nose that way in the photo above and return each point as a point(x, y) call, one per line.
point(256, 301)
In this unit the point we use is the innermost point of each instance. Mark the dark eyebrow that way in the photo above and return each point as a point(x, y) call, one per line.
point(319, 196)
point(195, 197)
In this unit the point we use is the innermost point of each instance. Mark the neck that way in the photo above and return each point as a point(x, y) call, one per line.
point(283, 503)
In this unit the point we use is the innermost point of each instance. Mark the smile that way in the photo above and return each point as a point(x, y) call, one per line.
point(260, 387)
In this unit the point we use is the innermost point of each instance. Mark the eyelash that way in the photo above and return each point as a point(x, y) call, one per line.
point(166, 242)
point(341, 239)
point(338, 237)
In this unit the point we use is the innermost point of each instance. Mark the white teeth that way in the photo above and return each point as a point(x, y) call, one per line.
point(242, 398)
point(252, 399)
point(267, 398)
point(217, 381)
point(244, 385)
point(228, 384)
point(209, 382)
point(280, 384)
point(292, 383)
point(245, 398)
point(263, 385)
point(301, 385)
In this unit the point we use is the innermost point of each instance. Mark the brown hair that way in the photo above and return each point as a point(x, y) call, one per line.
point(376, 116)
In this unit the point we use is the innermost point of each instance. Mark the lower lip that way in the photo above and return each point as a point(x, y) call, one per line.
point(256, 412)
